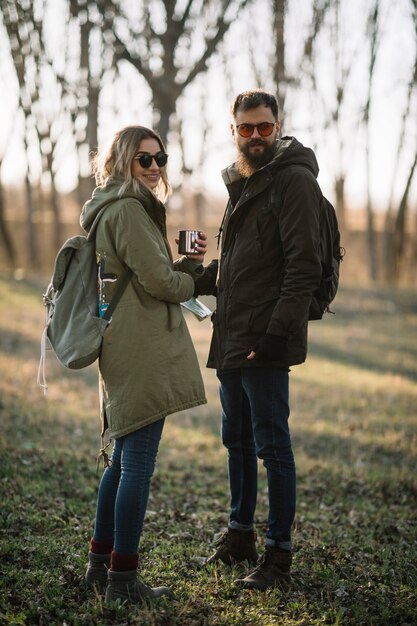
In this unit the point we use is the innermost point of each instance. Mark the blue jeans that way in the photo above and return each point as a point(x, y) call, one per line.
point(255, 416)
point(124, 488)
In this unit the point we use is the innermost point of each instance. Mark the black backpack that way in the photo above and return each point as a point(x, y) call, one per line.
point(331, 255)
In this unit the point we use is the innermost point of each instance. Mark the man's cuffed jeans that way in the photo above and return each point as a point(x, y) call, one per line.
point(255, 416)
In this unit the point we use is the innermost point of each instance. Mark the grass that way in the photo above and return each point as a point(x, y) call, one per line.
point(354, 430)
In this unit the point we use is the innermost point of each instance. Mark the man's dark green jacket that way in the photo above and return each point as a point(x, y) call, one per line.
point(269, 264)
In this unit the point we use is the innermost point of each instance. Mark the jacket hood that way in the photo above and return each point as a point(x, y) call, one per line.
point(289, 152)
point(110, 193)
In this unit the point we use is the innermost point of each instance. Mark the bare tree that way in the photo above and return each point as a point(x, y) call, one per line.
point(47, 112)
point(279, 68)
point(394, 231)
point(373, 27)
point(5, 234)
point(397, 249)
point(168, 44)
point(4, 229)
point(19, 32)
point(334, 109)
point(95, 58)
point(343, 69)
point(42, 105)
point(169, 51)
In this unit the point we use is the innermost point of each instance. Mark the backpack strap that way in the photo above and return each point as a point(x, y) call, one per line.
point(118, 294)
point(127, 276)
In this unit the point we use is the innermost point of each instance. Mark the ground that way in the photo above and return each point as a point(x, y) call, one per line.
point(353, 420)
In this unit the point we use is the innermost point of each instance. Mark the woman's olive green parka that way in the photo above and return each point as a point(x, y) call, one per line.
point(148, 365)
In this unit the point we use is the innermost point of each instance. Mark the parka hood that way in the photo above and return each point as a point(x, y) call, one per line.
point(289, 152)
point(110, 193)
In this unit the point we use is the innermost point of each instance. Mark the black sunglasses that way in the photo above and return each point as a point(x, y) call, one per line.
point(145, 159)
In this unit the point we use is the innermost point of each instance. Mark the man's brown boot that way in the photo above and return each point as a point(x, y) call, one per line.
point(273, 570)
point(235, 546)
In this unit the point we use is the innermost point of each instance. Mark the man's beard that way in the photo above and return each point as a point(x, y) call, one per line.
point(248, 163)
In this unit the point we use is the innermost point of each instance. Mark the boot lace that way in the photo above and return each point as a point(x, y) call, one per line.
point(263, 560)
point(223, 539)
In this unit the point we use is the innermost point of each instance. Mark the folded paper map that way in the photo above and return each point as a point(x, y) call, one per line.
point(200, 310)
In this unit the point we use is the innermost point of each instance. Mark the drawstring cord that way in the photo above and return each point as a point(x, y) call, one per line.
point(42, 363)
point(107, 462)
point(41, 380)
point(219, 234)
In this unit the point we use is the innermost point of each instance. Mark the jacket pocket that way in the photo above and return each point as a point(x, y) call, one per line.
point(174, 315)
point(250, 313)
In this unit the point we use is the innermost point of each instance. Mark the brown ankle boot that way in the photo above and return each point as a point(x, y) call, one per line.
point(273, 570)
point(235, 546)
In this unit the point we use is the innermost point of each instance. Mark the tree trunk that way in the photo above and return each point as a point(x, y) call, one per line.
point(90, 109)
point(374, 36)
point(339, 188)
point(33, 256)
point(55, 206)
point(4, 231)
point(399, 234)
point(164, 108)
point(413, 260)
point(279, 65)
point(391, 223)
point(53, 198)
point(371, 238)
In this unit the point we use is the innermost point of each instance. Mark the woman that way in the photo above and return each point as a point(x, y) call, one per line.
point(148, 366)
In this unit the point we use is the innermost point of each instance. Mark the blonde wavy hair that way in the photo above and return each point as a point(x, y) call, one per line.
point(118, 161)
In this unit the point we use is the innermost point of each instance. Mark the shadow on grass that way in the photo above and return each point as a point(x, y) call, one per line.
point(392, 301)
point(348, 453)
point(18, 344)
point(347, 357)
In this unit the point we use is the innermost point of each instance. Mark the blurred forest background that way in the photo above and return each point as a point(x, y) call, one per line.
point(345, 73)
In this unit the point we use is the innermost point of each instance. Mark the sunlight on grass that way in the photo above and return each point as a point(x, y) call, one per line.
point(353, 420)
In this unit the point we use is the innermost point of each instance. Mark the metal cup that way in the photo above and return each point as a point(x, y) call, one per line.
point(188, 241)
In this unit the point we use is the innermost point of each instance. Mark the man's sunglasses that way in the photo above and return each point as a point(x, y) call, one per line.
point(264, 129)
point(145, 159)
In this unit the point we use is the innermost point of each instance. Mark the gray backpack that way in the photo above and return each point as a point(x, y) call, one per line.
point(73, 327)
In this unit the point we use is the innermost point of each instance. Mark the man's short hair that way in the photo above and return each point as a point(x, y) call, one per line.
point(252, 99)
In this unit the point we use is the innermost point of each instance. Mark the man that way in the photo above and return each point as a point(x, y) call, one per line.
point(268, 268)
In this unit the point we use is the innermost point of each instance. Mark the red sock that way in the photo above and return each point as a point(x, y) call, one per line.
point(101, 547)
point(123, 562)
